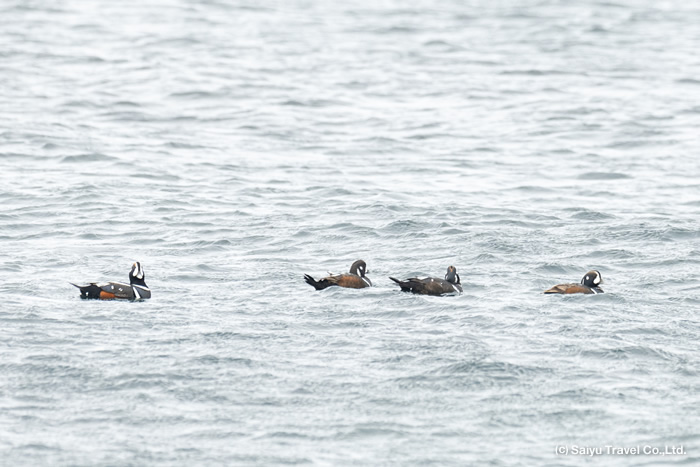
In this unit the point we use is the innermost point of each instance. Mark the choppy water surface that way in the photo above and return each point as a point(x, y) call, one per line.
point(232, 147)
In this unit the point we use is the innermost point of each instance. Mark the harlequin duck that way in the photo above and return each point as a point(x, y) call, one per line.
point(589, 284)
point(432, 285)
point(135, 290)
point(356, 279)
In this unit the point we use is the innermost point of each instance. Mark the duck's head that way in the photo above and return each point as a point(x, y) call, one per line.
point(136, 274)
point(592, 279)
point(452, 275)
point(359, 268)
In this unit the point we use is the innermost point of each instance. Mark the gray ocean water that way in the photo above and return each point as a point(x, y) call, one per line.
point(232, 147)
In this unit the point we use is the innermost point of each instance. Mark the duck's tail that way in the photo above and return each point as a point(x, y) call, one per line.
point(318, 285)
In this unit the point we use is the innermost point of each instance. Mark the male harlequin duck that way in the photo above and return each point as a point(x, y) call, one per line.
point(589, 284)
point(432, 285)
point(356, 279)
point(135, 290)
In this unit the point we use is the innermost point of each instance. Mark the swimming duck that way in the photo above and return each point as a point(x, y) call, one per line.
point(135, 290)
point(432, 285)
point(356, 279)
point(589, 285)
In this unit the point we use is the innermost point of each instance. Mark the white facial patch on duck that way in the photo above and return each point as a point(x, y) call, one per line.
point(597, 279)
point(139, 272)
